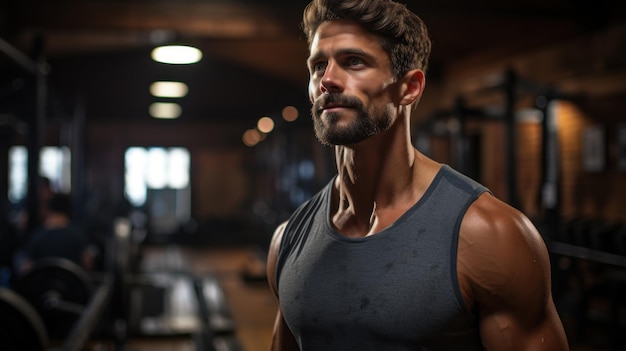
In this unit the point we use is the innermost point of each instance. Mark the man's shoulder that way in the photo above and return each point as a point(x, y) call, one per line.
point(490, 221)
point(498, 240)
point(504, 271)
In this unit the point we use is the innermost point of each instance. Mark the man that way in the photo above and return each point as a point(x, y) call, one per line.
point(398, 252)
point(57, 237)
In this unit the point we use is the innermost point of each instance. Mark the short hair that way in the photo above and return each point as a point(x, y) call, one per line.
point(403, 34)
point(60, 203)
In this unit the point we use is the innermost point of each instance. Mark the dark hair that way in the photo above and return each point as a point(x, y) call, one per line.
point(60, 203)
point(403, 34)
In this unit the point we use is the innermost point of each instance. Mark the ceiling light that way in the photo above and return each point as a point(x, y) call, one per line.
point(265, 125)
point(290, 113)
point(165, 110)
point(176, 54)
point(251, 137)
point(169, 89)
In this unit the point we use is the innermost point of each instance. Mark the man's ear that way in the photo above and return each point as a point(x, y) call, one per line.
point(413, 84)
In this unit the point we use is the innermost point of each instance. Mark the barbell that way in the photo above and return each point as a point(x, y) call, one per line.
point(58, 290)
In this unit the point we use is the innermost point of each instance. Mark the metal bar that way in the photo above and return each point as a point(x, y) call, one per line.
point(550, 190)
point(511, 138)
point(36, 135)
point(89, 319)
point(19, 57)
point(565, 249)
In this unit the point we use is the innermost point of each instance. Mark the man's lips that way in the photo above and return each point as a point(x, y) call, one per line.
point(334, 103)
point(334, 106)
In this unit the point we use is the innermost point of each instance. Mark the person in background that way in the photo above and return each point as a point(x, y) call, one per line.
point(57, 237)
point(397, 251)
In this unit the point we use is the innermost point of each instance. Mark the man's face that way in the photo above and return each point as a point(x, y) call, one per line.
point(351, 84)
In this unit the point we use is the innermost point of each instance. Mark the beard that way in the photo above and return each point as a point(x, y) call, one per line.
point(365, 124)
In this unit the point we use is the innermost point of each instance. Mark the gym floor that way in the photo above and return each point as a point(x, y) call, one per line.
point(251, 303)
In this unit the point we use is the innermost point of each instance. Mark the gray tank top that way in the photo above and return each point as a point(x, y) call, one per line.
point(395, 290)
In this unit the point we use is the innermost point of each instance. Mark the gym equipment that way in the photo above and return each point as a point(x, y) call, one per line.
point(89, 319)
point(218, 330)
point(167, 301)
point(59, 290)
point(56, 299)
point(173, 304)
point(21, 328)
point(35, 70)
point(213, 306)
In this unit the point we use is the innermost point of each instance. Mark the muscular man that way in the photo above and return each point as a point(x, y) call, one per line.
point(398, 252)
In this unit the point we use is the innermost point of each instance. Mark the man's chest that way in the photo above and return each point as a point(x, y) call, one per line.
point(396, 291)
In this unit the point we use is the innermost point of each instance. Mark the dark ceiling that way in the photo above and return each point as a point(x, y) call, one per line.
point(254, 53)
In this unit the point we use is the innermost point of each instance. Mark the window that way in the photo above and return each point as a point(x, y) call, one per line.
point(154, 168)
point(158, 178)
point(54, 164)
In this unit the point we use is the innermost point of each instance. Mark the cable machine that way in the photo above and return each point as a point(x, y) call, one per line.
point(511, 86)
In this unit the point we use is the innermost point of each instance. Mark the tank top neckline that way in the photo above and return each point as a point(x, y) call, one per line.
point(380, 234)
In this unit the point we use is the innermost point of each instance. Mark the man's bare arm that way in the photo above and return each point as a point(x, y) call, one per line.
point(282, 338)
point(504, 270)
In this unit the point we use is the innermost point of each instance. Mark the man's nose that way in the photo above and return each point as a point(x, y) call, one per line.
point(331, 80)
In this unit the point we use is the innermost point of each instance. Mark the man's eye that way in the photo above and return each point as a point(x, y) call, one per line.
point(355, 61)
point(318, 67)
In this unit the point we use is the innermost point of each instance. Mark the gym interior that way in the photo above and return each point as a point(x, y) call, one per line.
point(177, 191)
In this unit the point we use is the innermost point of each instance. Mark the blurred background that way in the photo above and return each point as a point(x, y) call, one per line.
point(204, 159)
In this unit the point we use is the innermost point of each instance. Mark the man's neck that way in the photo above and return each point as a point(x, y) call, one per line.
point(375, 183)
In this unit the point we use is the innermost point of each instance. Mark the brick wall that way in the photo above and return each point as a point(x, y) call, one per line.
point(592, 70)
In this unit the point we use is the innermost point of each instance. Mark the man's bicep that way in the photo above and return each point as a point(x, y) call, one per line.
point(522, 316)
point(272, 256)
point(505, 330)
